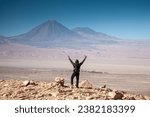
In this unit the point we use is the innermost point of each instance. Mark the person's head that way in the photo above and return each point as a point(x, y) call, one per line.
point(77, 61)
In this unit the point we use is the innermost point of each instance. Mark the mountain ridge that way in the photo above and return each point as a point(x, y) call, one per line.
point(90, 33)
point(3, 39)
point(53, 34)
point(47, 30)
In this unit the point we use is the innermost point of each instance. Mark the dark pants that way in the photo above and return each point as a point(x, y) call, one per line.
point(75, 74)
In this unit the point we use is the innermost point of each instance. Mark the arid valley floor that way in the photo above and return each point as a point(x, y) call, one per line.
point(131, 75)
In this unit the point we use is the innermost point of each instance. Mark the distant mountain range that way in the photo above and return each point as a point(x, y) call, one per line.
point(91, 34)
point(53, 34)
point(53, 40)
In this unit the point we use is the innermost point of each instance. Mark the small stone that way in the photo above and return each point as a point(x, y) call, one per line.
point(1, 80)
point(104, 92)
point(5, 95)
point(85, 84)
point(19, 92)
point(5, 85)
point(67, 90)
point(32, 82)
point(147, 98)
point(115, 90)
point(139, 97)
point(60, 80)
point(26, 83)
point(103, 86)
point(115, 95)
point(89, 98)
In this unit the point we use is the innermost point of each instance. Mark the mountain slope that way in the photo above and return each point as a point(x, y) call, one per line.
point(101, 38)
point(50, 33)
point(3, 40)
point(84, 30)
point(53, 34)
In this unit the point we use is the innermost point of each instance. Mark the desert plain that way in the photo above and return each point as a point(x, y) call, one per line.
point(124, 74)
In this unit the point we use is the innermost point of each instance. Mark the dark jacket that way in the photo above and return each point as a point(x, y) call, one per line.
point(77, 65)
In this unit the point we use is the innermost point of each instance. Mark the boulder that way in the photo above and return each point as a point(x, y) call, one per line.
point(26, 82)
point(55, 94)
point(139, 97)
point(85, 84)
point(115, 95)
point(104, 86)
point(32, 82)
point(60, 80)
point(5, 85)
point(1, 80)
point(147, 98)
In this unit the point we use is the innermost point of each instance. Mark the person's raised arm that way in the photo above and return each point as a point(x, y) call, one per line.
point(83, 60)
point(70, 60)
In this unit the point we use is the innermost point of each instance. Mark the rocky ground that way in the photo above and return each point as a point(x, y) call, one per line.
point(58, 90)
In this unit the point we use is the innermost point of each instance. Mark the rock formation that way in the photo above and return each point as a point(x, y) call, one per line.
point(57, 90)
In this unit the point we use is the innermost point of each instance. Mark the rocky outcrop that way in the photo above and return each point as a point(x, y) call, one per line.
point(85, 84)
point(115, 95)
point(57, 90)
point(60, 80)
point(27, 82)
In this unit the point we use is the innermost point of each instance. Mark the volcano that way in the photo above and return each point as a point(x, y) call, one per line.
point(53, 34)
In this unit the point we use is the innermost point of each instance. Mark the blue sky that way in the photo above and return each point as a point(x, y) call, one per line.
point(127, 19)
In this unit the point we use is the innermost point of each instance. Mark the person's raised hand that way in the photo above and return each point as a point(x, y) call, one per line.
point(85, 56)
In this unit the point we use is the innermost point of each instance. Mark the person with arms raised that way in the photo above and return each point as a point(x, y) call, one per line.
point(76, 70)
